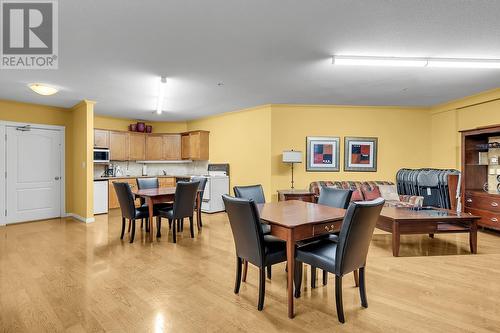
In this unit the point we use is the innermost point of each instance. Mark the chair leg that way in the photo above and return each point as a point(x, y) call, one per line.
point(238, 275)
point(245, 268)
point(297, 278)
point(313, 277)
point(129, 225)
point(123, 228)
point(158, 227)
point(142, 223)
point(181, 221)
point(174, 231)
point(325, 278)
point(191, 226)
point(169, 223)
point(269, 272)
point(356, 278)
point(132, 234)
point(338, 298)
point(362, 287)
point(262, 287)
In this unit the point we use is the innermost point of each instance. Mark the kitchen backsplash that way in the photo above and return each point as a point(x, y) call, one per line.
point(135, 169)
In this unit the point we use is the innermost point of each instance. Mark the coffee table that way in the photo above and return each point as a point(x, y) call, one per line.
point(406, 221)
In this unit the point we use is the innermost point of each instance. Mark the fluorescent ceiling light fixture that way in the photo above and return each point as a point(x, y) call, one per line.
point(161, 94)
point(42, 89)
point(415, 62)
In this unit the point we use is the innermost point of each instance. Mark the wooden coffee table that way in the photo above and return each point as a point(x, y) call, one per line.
point(405, 221)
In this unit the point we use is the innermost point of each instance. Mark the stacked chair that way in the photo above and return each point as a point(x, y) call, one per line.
point(431, 184)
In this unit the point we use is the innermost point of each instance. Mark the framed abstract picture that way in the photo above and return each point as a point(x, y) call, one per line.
point(322, 153)
point(360, 154)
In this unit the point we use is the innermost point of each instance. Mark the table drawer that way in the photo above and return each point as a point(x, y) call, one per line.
point(488, 219)
point(483, 202)
point(326, 228)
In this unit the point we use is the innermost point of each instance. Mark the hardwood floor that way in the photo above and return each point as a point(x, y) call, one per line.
point(63, 275)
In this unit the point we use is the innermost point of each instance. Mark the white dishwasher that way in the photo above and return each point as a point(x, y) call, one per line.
point(100, 196)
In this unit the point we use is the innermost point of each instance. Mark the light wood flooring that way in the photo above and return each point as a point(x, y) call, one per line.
point(63, 275)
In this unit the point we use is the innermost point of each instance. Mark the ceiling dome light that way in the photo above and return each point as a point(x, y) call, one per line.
point(42, 89)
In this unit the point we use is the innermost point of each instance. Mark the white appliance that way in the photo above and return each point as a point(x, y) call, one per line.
point(101, 155)
point(217, 185)
point(100, 196)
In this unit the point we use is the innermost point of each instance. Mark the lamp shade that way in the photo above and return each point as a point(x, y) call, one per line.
point(292, 156)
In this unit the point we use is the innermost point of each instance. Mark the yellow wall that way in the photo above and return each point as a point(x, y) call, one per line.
point(403, 139)
point(242, 139)
point(121, 124)
point(448, 119)
point(77, 147)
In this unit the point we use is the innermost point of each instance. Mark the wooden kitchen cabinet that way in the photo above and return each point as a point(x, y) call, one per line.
point(166, 181)
point(137, 146)
point(172, 147)
point(154, 147)
point(101, 138)
point(119, 146)
point(195, 145)
point(113, 198)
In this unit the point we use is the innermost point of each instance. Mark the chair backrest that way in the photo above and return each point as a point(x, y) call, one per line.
point(245, 225)
point(334, 197)
point(147, 183)
point(203, 183)
point(356, 234)
point(185, 196)
point(254, 192)
point(126, 199)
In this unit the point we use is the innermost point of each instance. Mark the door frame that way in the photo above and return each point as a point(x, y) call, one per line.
point(3, 165)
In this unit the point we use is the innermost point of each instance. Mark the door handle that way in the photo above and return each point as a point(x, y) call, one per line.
point(57, 178)
point(494, 204)
point(494, 219)
point(469, 200)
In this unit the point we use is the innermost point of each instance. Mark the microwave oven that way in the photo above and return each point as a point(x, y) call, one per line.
point(101, 155)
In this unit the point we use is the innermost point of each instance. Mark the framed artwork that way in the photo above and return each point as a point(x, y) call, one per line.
point(360, 154)
point(322, 153)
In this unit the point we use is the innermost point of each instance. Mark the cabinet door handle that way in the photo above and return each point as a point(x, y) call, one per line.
point(469, 200)
point(330, 228)
point(494, 219)
point(494, 204)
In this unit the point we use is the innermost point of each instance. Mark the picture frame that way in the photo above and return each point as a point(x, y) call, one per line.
point(323, 153)
point(360, 154)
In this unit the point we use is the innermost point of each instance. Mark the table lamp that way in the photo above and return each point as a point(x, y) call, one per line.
point(292, 157)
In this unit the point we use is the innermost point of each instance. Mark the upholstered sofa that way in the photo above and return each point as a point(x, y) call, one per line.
point(369, 190)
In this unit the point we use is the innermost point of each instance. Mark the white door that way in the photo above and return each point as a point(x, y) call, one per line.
point(33, 190)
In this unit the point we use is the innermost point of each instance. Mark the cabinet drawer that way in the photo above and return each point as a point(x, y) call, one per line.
point(326, 228)
point(484, 202)
point(488, 219)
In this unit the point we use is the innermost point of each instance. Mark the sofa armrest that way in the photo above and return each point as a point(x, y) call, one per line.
point(414, 200)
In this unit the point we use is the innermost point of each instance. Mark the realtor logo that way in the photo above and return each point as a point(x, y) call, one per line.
point(29, 34)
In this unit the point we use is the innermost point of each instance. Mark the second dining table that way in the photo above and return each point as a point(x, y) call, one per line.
point(161, 195)
point(294, 221)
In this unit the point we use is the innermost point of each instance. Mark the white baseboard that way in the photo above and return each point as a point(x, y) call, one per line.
point(80, 218)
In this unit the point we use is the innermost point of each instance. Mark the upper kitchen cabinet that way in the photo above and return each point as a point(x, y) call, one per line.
point(119, 146)
point(137, 146)
point(101, 138)
point(195, 145)
point(172, 147)
point(154, 147)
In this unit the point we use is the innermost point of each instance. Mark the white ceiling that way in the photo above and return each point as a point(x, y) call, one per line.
point(264, 51)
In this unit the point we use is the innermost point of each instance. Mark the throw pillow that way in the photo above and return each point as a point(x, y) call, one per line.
point(370, 193)
point(389, 192)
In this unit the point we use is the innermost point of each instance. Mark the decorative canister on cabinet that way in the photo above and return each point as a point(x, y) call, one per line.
point(141, 127)
point(149, 128)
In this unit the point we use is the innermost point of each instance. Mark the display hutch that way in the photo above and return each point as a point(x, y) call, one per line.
point(481, 174)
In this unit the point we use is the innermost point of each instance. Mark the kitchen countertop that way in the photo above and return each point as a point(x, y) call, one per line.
point(133, 177)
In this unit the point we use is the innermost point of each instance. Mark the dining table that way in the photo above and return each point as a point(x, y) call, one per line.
point(294, 221)
point(160, 195)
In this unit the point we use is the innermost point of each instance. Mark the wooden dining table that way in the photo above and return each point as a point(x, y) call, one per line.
point(161, 195)
point(294, 221)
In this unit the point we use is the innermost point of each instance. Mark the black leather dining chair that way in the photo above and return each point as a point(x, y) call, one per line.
point(127, 206)
point(148, 183)
point(347, 254)
point(337, 198)
point(255, 193)
point(251, 244)
point(201, 188)
point(185, 195)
